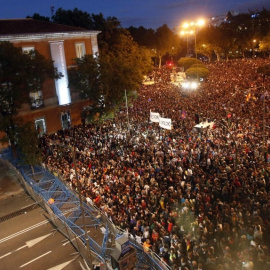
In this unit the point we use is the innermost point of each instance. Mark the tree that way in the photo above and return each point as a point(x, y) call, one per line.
point(144, 37)
point(20, 74)
point(163, 42)
point(108, 76)
point(85, 78)
point(37, 16)
point(197, 72)
point(28, 145)
point(123, 69)
point(110, 29)
point(264, 44)
point(187, 62)
point(75, 17)
point(206, 49)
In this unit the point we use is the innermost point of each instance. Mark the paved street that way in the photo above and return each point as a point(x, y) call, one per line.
point(27, 239)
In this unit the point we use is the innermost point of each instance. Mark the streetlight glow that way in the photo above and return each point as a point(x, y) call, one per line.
point(253, 48)
point(201, 22)
point(185, 25)
point(192, 26)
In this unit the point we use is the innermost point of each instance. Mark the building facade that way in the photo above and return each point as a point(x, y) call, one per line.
point(55, 107)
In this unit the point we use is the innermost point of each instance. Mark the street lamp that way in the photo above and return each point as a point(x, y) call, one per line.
point(193, 26)
point(187, 33)
point(253, 46)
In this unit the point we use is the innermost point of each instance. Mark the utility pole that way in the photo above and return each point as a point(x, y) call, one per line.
point(264, 144)
point(127, 110)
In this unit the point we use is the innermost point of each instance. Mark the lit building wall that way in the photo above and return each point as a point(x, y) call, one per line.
point(61, 85)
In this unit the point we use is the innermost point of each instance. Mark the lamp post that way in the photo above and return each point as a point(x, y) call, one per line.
point(187, 33)
point(253, 48)
point(193, 26)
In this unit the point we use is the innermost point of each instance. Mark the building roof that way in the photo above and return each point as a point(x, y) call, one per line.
point(31, 26)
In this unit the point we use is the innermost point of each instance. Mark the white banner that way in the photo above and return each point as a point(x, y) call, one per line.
point(165, 123)
point(154, 117)
point(205, 125)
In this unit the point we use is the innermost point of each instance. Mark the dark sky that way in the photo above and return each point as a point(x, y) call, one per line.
point(147, 13)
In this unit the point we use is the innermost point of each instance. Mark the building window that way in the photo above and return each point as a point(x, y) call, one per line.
point(36, 99)
point(40, 126)
point(66, 119)
point(80, 50)
point(28, 50)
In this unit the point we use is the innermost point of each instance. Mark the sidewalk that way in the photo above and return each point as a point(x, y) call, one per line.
point(9, 183)
point(12, 195)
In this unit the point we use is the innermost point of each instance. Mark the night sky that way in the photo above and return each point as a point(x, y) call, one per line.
point(146, 13)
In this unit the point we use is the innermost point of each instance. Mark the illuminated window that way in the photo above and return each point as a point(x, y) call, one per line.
point(66, 119)
point(80, 50)
point(40, 126)
point(28, 50)
point(36, 99)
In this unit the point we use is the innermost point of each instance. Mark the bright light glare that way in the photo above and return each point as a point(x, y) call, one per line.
point(186, 25)
point(189, 85)
point(200, 22)
point(185, 85)
point(193, 85)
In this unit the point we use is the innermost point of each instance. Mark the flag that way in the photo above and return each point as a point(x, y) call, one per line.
point(264, 95)
point(165, 123)
point(154, 117)
point(183, 114)
point(248, 96)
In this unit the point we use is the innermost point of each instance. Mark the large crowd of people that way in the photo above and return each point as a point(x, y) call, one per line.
point(197, 197)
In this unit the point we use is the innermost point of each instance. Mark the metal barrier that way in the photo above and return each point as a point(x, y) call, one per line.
point(151, 258)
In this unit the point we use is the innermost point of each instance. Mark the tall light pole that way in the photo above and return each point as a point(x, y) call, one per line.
point(192, 27)
point(128, 126)
point(253, 48)
point(187, 33)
